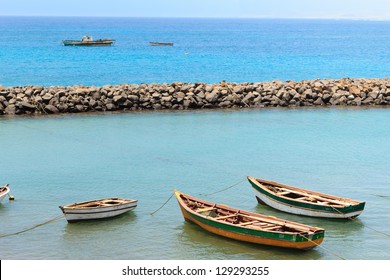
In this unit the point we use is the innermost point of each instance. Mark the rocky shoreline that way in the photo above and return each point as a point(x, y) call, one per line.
point(183, 96)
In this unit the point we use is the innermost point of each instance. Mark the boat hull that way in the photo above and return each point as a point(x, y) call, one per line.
point(253, 236)
point(302, 208)
point(167, 44)
point(88, 43)
point(94, 213)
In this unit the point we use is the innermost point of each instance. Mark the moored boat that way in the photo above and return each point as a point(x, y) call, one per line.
point(247, 226)
point(304, 202)
point(87, 41)
point(4, 190)
point(161, 43)
point(98, 209)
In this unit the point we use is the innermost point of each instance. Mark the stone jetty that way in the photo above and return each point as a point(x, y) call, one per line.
point(184, 96)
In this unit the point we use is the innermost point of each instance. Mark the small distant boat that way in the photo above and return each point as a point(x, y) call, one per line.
point(4, 190)
point(161, 43)
point(247, 226)
point(88, 41)
point(98, 209)
point(304, 202)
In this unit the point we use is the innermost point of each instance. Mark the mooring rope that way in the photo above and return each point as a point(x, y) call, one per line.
point(226, 188)
point(31, 228)
point(381, 195)
point(357, 221)
point(203, 194)
point(322, 247)
point(163, 204)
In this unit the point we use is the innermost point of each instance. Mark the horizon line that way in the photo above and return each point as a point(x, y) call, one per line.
point(206, 17)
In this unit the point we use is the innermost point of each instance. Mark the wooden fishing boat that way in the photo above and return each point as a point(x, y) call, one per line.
point(247, 226)
point(161, 43)
point(98, 209)
point(304, 202)
point(4, 190)
point(87, 41)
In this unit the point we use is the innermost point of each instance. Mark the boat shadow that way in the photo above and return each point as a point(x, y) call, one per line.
point(100, 225)
point(211, 246)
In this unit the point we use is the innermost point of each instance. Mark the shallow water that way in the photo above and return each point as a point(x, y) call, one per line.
point(52, 161)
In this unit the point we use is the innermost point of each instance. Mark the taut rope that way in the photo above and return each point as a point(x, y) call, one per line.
point(357, 221)
point(203, 194)
point(31, 228)
point(322, 247)
point(225, 188)
point(163, 204)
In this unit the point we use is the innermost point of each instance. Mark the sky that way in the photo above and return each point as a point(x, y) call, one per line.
point(339, 9)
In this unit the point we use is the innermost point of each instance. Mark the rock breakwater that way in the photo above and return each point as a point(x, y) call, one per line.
point(183, 96)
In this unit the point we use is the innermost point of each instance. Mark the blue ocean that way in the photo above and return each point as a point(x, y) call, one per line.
point(51, 161)
point(206, 50)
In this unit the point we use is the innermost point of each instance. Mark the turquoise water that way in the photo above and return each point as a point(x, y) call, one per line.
point(52, 161)
point(205, 50)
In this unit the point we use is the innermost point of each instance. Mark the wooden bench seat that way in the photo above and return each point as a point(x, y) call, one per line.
point(226, 217)
point(204, 209)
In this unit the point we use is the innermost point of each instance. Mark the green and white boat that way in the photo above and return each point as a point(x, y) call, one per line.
point(247, 226)
point(87, 41)
point(304, 202)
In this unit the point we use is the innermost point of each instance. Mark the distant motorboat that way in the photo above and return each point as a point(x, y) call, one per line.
point(161, 43)
point(87, 41)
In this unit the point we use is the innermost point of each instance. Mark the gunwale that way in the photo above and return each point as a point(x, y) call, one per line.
point(252, 227)
point(97, 209)
point(104, 202)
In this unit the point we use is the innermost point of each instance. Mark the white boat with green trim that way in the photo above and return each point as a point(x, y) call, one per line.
point(304, 202)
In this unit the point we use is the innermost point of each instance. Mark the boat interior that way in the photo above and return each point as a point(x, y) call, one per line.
point(98, 203)
point(244, 219)
point(306, 197)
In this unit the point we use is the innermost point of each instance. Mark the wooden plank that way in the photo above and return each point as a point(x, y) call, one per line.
point(317, 197)
point(226, 217)
point(271, 228)
point(247, 223)
point(283, 193)
point(284, 188)
point(204, 209)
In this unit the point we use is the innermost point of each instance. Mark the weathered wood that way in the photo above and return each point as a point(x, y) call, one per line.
point(250, 227)
point(304, 202)
point(316, 197)
point(226, 217)
point(204, 209)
